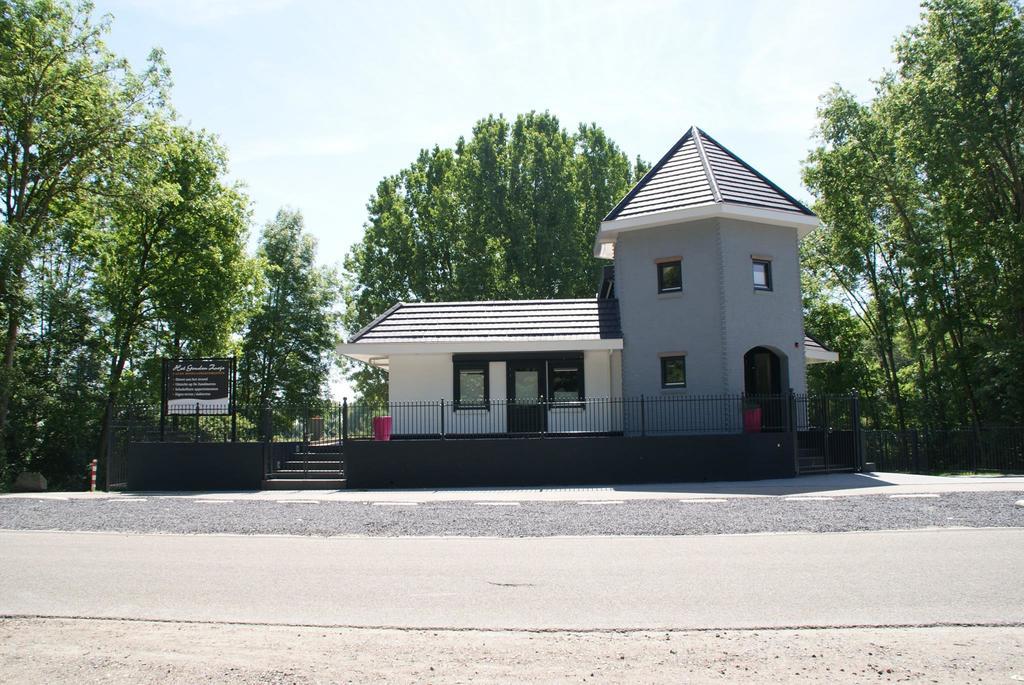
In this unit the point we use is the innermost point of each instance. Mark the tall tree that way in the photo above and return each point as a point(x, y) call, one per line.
point(68, 108)
point(289, 342)
point(509, 213)
point(923, 193)
point(170, 254)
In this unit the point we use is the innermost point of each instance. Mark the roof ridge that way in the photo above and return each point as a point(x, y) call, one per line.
point(639, 185)
point(702, 173)
point(799, 205)
point(708, 170)
point(365, 329)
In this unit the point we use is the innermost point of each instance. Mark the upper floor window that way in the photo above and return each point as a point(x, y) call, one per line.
point(762, 274)
point(670, 276)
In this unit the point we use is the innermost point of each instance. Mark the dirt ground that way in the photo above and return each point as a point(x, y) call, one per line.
point(42, 650)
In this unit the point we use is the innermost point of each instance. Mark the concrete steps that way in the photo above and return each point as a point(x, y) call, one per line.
point(319, 467)
point(810, 460)
point(275, 483)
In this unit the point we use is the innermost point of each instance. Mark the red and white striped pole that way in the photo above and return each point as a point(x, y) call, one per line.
point(92, 475)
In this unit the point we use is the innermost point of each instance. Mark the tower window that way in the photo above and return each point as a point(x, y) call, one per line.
point(670, 276)
point(762, 274)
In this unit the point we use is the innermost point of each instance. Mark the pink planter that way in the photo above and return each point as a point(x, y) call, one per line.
point(752, 420)
point(382, 428)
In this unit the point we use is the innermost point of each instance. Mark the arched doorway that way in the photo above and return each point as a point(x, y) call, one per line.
point(762, 372)
point(765, 374)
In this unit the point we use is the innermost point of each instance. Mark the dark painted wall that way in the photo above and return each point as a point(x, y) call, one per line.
point(195, 466)
point(565, 461)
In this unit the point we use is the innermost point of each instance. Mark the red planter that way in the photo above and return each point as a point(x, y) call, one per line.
point(752, 420)
point(382, 428)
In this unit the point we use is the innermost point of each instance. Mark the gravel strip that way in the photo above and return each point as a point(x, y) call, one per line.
point(161, 514)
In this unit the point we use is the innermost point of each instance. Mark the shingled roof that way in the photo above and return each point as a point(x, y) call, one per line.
point(696, 171)
point(511, 320)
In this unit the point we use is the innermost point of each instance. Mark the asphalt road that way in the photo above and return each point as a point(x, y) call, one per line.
point(871, 578)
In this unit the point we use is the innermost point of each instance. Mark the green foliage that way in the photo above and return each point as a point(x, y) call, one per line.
point(170, 263)
point(121, 242)
point(509, 213)
point(68, 107)
point(922, 190)
point(288, 343)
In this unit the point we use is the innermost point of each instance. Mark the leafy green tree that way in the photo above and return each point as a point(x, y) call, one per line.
point(53, 418)
point(922, 190)
point(289, 342)
point(68, 109)
point(509, 213)
point(171, 271)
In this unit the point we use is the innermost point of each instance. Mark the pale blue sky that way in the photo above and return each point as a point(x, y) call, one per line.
point(318, 100)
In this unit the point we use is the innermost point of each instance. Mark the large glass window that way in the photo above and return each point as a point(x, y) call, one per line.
point(670, 276)
point(673, 372)
point(565, 382)
point(471, 386)
point(762, 274)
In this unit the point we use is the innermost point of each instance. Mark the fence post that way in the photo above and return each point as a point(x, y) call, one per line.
point(163, 397)
point(915, 451)
point(344, 420)
point(792, 428)
point(643, 422)
point(108, 448)
point(975, 444)
point(197, 422)
point(858, 435)
point(543, 416)
point(442, 418)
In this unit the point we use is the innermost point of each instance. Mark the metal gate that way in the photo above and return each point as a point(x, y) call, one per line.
point(828, 433)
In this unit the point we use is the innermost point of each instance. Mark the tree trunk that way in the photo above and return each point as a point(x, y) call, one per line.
point(6, 382)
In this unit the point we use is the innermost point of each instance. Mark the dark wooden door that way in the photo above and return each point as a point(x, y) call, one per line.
point(525, 394)
point(762, 383)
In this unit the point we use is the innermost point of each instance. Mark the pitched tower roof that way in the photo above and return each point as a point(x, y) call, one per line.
point(698, 178)
point(698, 170)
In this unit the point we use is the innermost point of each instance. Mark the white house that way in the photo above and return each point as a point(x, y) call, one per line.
point(702, 303)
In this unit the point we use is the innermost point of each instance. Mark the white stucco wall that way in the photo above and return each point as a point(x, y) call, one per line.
point(418, 382)
point(601, 413)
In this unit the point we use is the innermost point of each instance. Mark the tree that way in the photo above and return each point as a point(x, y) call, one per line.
point(170, 252)
point(289, 341)
point(53, 418)
point(68, 108)
point(509, 213)
point(922, 191)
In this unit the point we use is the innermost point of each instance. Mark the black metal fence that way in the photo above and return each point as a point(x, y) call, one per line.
point(966, 450)
point(662, 415)
point(319, 424)
point(828, 428)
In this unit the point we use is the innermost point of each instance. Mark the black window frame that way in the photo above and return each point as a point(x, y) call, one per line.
point(665, 385)
point(767, 263)
point(678, 263)
point(581, 392)
point(457, 368)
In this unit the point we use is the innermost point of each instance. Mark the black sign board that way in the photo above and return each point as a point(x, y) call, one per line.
point(203, 385)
